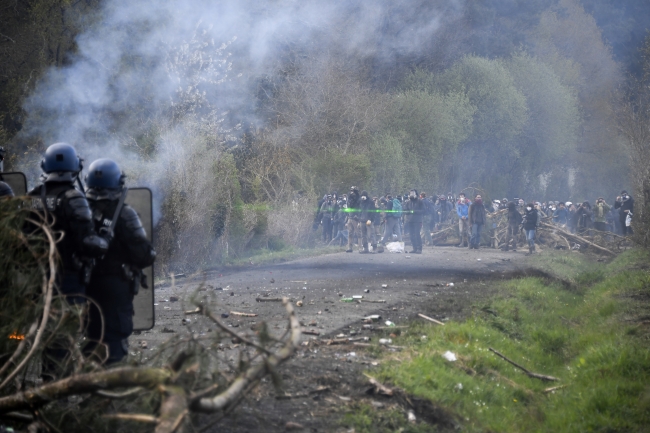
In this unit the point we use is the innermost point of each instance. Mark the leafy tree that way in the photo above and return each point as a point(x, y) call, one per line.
point(550, 132)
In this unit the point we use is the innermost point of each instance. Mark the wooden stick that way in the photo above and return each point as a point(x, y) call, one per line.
point(133, 417)
point(430, 319)
point(268, 299)
point(380, 301)
point(196, 311)
point(379, 387)
point(554, 388)
point(236, 313)
point(310, 332)
point(528, 372)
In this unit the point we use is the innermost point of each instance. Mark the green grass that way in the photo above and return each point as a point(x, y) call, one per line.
point(583, 333)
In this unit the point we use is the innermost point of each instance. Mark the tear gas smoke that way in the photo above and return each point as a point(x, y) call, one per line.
point(195, 64)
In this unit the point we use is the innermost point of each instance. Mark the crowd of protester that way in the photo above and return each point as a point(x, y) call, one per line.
point(357, 218)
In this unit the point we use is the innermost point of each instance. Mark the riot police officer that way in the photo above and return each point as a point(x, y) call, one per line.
point(117, 275)
point(67, 209)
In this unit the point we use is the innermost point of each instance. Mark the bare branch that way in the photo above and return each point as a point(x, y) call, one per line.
point(254, 373)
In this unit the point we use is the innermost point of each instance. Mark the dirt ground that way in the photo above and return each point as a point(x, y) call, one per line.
point(323, 382)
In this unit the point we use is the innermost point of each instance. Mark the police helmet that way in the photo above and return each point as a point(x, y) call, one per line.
point(61, 157)
point(104, 173)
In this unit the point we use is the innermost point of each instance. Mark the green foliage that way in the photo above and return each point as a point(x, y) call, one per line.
point(541, 325)
point(501, 110)
point(550, 132)
point(334, 170)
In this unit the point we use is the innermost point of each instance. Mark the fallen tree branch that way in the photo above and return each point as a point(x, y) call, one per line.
point(119, 395)
point(554, 388)
point(48, 291)
point(578, 239)
point(254, 373)
point(83, 384)
point(528, 372)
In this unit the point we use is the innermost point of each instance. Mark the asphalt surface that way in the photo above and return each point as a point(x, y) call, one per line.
point(321, 383)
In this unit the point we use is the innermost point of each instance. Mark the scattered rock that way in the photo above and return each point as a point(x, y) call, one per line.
point(313, 323)
point(299, 304)
point(185, 321)
point(293, 426)
point(142, 344)
point(167, 331)
point(232, 293)
point(225, 315)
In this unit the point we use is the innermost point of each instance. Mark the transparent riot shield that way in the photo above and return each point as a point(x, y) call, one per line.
point(140, 199)
point(17, 181)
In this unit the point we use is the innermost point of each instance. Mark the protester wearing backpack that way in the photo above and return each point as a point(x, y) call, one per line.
point(393, 215)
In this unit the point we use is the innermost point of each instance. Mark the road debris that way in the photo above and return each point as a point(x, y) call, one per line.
point(236, 313)
point(449, 356)
point(430, 319)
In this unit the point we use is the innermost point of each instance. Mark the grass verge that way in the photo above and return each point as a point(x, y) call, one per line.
point(592, 334)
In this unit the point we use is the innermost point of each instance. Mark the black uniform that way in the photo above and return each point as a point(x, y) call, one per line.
point(115, 277)
point(414, 215)
point(626, 204)
point(69, 209)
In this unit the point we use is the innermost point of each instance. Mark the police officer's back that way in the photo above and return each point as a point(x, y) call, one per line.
point(67, 209)
point(116, 276)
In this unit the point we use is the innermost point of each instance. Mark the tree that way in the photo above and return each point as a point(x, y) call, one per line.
point(550, 133)
point(499, 118)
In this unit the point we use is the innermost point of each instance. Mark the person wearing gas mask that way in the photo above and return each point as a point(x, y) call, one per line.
point(5, 189)
point(66, 208)
point(366, 216)
point(413, 215)
point(477, 218)
point(600, 210)
point(117, 276)
point(530, 226)
point(625, 204)
point(327, 213)
point(354, 204)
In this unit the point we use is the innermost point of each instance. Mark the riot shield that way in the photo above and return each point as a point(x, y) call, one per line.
point(17, 181)
point(140, 199)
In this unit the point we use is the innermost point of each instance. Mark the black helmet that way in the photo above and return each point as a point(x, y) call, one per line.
point(105, 173)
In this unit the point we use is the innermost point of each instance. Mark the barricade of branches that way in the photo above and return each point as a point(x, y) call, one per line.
point(557, 236)
point(163, 390)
